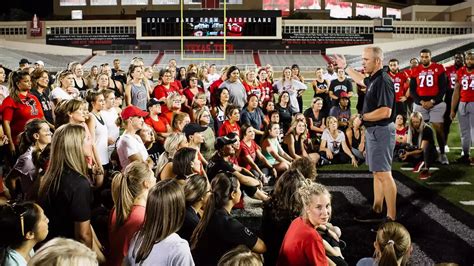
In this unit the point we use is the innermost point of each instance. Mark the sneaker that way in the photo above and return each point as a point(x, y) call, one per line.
point(418, 167)
point(446, 148)
point(424, 174)
point(375, 228)
point(370, 217)
point(463, 160)
point(443, 159)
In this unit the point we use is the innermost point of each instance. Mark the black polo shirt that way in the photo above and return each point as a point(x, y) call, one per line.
point(380, 92)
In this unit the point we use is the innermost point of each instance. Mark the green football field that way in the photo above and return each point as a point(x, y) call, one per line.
point(440, 180)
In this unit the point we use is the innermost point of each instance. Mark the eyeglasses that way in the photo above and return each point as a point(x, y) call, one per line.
point(21, 214)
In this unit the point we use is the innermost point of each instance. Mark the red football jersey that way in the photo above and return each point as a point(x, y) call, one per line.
point(466, 82)
point(427, 79)
point(451, 74)
point(399, 83)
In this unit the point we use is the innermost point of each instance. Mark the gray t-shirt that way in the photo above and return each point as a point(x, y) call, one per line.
point(173, 250)
point(237, 93)
point(139, 95)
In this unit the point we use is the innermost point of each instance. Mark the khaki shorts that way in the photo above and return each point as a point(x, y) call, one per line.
point(433, 115)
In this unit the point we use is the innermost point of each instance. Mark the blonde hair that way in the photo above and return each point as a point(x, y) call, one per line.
point(171, 97)
point(329, 119)
point(63, 251)
point(310, 189)
point(69, 138)
point(172, 142)
point(255, 82)
point(60, 76)
point(178, 117)
point(127, 187)
point(394, 242)
point(240, 256)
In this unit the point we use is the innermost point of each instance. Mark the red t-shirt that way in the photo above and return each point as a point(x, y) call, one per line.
point(257, 90)
point(402, 132)
point(399, 83)
point(119, 240)
point(451, 74)
point(159, 126)
point(466, 84)
point(226, 128)
point(427, 79)
point(19, 113)
point(267, 89)
point(190, 95)
point(246, 150)
point(302, 245)
point(161, 91)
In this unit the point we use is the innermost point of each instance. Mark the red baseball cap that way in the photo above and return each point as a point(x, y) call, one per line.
point(344, 95)
point(131, 111)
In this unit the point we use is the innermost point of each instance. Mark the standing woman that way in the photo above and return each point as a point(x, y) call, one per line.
point(265, 85)
point(130, 146)
point(65, 191)
point(64, 87)
point(218, 111)
point(284, 109)
point(203, 76)
point(273, 151)
point(33, 141)
point(97, 126)
point(91, 78)
point(19, 107)
point(156, 121)
point(129, 192)
point(103, 82)
point(157, 242)
point(79, 81)
point(110, 116)
point(136, 91)
point(252, 86)
point(22, 226)
point(292, 86)
point(296, 75)
point(40, 89)
point(321, 90)
point(316, 120)
point(302, 244)
point(217, 231)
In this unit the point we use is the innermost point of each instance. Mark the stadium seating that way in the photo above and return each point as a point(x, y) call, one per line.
point(125, 57)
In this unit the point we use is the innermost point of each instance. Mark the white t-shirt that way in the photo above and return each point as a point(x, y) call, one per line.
point(59, 93)
point(334, 144)
point(292, 87)
point(101, 139)
point(330, 77)
point(110, 117)
point(213, 77)
point(3, 93)
point(129, 145)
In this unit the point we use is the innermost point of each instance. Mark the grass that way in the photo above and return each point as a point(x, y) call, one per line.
point(449, 173)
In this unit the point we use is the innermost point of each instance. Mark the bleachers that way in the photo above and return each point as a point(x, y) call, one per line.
point(306, 62)
point(124, 56)
point(10, 58)
point(240, 58)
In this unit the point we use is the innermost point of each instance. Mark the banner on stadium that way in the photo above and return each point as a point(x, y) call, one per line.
point(90, 39)
point(327, 39)
point(36, 27)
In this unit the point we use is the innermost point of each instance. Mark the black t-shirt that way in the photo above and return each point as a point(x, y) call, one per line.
point(46, 104)
point(337, 87)
point(285, 116)
point(380, 92)
point(72, 203)
point(222, 234)
point(317, 121)
point(218, 165)
point(427, 136)
point(191, 220)
point(154, 151)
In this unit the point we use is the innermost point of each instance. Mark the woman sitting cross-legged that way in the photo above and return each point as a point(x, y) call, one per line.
point(331, 143)
point(294, 141)
point(356, 137)
point(272, 149)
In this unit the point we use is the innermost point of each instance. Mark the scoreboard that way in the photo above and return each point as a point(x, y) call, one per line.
point(208, 24)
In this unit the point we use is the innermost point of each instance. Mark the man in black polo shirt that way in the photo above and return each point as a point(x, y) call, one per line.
point(378, 117)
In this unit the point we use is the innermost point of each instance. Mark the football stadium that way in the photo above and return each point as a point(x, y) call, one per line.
point(237, 132)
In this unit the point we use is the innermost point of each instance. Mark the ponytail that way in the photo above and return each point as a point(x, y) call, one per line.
point(26, 137)
point(388, 257)
point(394, 243)
point(126, 188)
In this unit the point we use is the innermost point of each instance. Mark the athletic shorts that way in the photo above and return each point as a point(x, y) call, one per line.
point(433, 115)
point(379, 145)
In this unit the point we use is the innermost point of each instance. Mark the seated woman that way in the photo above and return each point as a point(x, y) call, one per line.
point(294, 141)
point(250, 152)
point(203, 118)
point(33, 141)
point(241, 255)
point(355, 134)
point(282, 208)
point(64, 251)
point(252, 114)
point(302, 244)
point(217, 231)
point(157, 243)
point(179, 121)
point(421, 150)
point(196, 192)
point(186, 163)
point(231, 123)
point(273, 151)
point(331, 143)
point(392, 246)
point(316, 120)
point(23, 225)
point(129, 193)
point(401, 133)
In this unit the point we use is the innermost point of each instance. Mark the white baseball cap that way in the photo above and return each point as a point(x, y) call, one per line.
point(39, 62)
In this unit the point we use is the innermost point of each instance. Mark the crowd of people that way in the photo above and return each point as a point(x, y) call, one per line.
point(141, 170)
